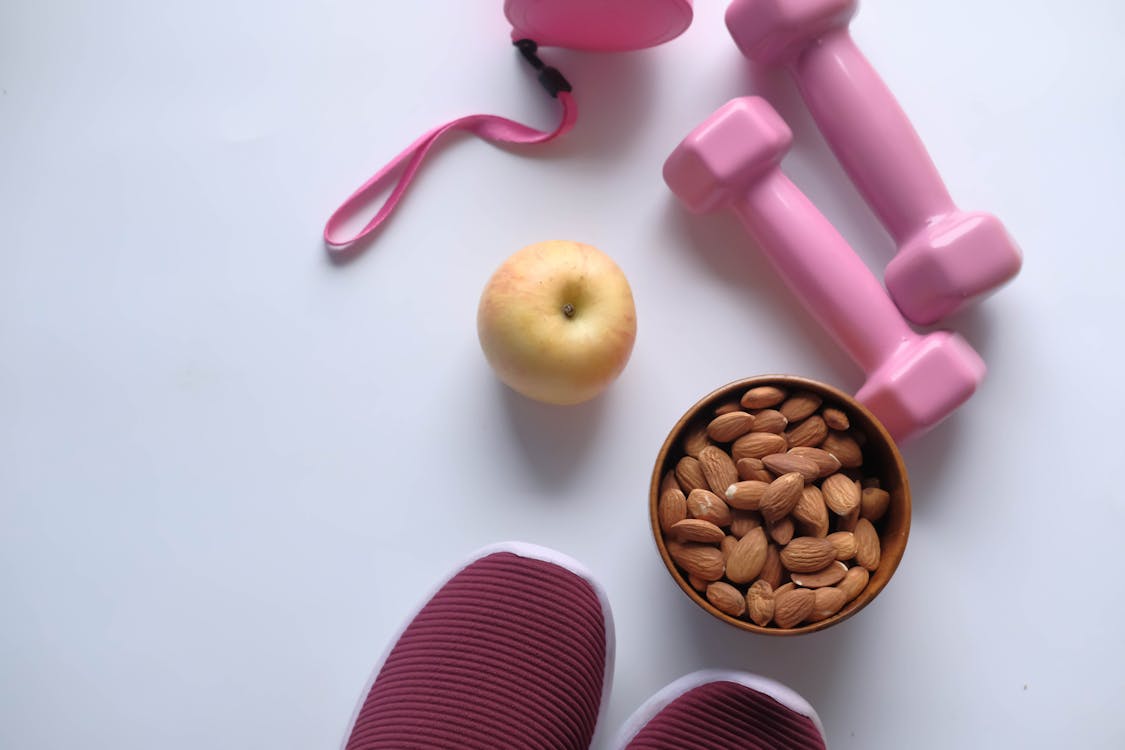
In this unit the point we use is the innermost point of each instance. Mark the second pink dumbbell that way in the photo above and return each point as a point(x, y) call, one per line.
point(946, 258)
point(732, 160)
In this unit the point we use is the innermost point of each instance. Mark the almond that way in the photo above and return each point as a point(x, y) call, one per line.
point(770, 420)
point(800, 406)
point(874, 503)
point(854, 582)
point(789, 586)
point(671, 509)
point(669, 482)
point(808, 554)
point(698, 584)
point(708, 507)
point(869, 482)
point(726, 408)
point(700, 560)
point(763, 397)
point(836, 419)
point(726, 598)
point(772, 572)
point(743, 522)
point(841, 495)
point(718, 469)
point(786, 463)
point(695, 440)
point(758, 444)
point(690, 475)
point(782, 531)
point(746, 495)
point(825, 461)
point(848, 522)
point(808, 434)
point(698, 530)
point(747, 557)
point(753, 468)
point(759, 603)
point(728, 544)
point(725, 428)
point(844, 542)
point(845, 448)
point(781, 496)
point(830, 576)
point(791, 608)
point(866, 545)
point(827, 602)
point(811, 513)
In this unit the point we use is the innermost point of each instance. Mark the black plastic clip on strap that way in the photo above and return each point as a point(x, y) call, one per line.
point(550, 78)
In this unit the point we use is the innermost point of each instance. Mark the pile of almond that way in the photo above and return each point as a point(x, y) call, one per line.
point(768, 513)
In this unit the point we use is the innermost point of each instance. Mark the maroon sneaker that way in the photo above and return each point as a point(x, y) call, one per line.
point(514, 650)
point(715, 710)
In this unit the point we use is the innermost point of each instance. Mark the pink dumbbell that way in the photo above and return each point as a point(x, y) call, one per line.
point(732, 159)
point(946, 257)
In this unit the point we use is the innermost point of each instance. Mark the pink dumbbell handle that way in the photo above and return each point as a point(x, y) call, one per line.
point(871, 135)
point(823, 270)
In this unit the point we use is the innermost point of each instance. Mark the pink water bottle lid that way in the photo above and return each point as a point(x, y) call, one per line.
point(598, 25)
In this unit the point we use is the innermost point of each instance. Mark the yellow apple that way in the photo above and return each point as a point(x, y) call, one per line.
point(557, 322)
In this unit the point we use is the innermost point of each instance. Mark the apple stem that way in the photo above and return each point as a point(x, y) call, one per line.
point(568, 310)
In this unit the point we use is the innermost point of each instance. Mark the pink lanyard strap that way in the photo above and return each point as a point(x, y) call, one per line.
point(404, 166)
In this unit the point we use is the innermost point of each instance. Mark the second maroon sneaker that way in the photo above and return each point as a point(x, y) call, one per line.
point(715, 710)
point(514, 650)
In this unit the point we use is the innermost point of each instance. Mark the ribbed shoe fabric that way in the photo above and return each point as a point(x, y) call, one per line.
point(509, 654)
point(727, 715)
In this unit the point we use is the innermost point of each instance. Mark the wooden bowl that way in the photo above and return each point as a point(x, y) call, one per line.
point(881, 459)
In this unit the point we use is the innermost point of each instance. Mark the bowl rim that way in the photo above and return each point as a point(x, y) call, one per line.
point(790, 382)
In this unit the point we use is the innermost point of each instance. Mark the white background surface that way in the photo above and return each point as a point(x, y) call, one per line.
point(228, 468)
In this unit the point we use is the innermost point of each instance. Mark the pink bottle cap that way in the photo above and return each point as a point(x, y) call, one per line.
point(598, 25)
